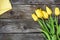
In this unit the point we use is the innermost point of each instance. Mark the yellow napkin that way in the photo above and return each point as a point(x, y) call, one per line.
point(5, 5)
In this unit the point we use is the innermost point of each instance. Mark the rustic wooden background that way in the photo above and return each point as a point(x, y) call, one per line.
point(18, 24)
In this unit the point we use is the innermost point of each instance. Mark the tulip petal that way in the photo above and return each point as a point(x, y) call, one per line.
point(45, 15)
point(49, 11)
point(35, 18)
point(57, 11)
point(39, 13)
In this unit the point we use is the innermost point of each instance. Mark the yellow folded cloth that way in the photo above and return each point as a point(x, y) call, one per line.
point(5, 5)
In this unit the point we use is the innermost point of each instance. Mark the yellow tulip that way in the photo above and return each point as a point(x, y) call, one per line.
point(45, 15)
point(39, 13)
point(57, 11)
point(35, 18)
point(49, 11)
point(5, 5)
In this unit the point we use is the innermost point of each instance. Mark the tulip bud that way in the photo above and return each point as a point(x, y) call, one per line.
point(49, 11)
point(45, 15)
point(35, 18)
point(57, 11)
point(39, 13)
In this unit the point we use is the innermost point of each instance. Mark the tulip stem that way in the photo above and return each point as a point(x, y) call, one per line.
point(52, 24)
point(56, 22)
point(45, 25)
point(42, 24)
point(44, 30)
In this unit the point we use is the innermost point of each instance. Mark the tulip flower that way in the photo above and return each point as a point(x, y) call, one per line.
point(39, 13)
point(57, 11)
point(35, 18)
point(5, 5)
point(45, 15)
point(49, 11)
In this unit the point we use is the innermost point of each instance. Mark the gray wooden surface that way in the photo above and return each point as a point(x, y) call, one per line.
point(18, 24)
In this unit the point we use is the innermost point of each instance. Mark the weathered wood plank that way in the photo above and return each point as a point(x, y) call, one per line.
point(32, 1)
point(18, 25)
point(21, 37)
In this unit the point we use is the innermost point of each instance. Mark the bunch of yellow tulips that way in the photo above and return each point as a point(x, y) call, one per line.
point(44, 14)
point(49, 25)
